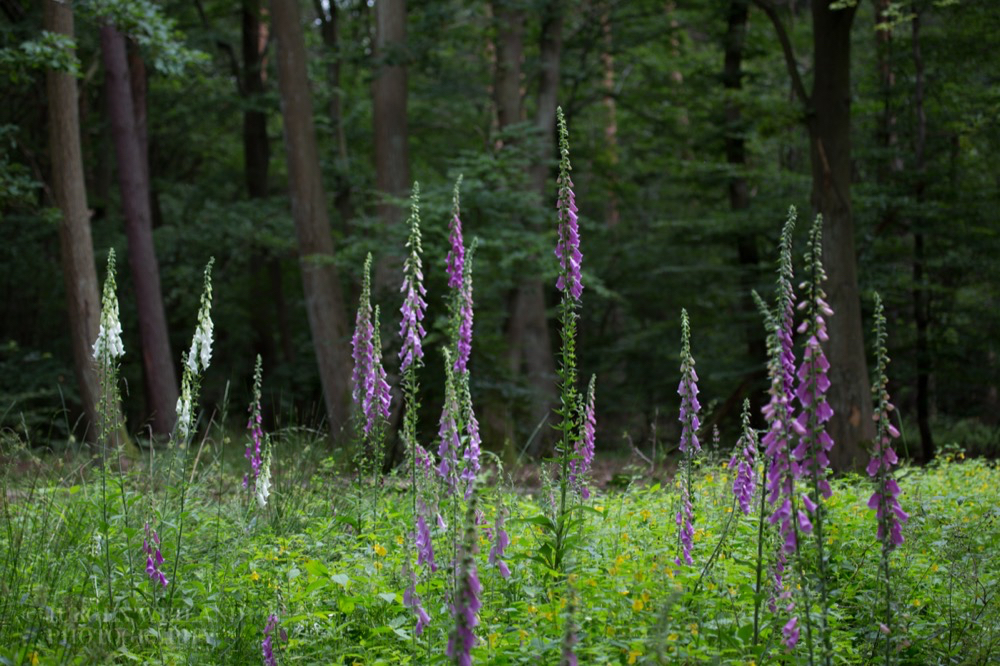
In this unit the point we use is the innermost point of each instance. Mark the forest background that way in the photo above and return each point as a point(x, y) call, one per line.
point(283, 140)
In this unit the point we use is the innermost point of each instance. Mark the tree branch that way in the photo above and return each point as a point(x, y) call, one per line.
point(786, 47)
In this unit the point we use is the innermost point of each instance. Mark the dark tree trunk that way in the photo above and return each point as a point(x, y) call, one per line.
point(828, 120)
point(921, 313)
point(739, 194)
point(157, 359)
point(330, 31)
point(510, 53)
point(75, 244)
point(830, 153)
point(392, 159)
point(528, 339)
point(256, 146)
point(321, 283)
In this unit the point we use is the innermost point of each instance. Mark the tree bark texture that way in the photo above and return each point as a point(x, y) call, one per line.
point(510, 53)
point(528, 339)
point(330, 31)
point(739, 193)
point(830, 153)
point(75, 245)
point(157, 360)
point(921, 307)
point(392, 158)
point(321, 283)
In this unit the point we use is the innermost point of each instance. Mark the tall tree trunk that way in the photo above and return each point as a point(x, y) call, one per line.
point(392, 158)
point(828, 120)
point(320, 281)
point(75, 244)
point(157, 360)
point(256, 146)
point(830, 155)
point(329, 18)
point(739, 193)
point(509, 54)
point(528, 339)
point(921, 314)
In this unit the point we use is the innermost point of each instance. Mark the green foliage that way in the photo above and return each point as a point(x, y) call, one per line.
point(48, 51)
point(338, 591)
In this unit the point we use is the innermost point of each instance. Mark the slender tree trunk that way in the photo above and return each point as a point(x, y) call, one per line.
point(739, 193)
point(921, 314)
point(75, 244)
point(528, 339)
point(256, 146)
point(611, 215)
point(830, 153)
point(157, 359)
point(392, 158)
point(321, 283)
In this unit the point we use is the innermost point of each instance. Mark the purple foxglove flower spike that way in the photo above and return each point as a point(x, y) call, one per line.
point(456, 252)
point(465, 313)
point(254, 426)
point(744, 460)
point(411, 330)
point(568, 245)
point(885, 499)
point(451, 443)
point(361, 342)
point(500, 543)
point(811, 455)
point(267, 645)
point(425, 547)
point(467, 604)
point(688, 390)
point(579, 467)
point(154, 559)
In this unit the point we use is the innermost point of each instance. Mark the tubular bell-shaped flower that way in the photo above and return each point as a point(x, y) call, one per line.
point(154, 559)
point(108, 345)
point(368, 386)
point(811, 455)
point(411, 330)
point(568, 245)
point(744, 460)
point(782, 426)
point(197, 359)
point(465, 608)
point(456, 251)
point(463, 343)
point(689, 445)
point(585, 445)
point(500, 543)
point(885, 500)
point(253, 451)
point(448, 433)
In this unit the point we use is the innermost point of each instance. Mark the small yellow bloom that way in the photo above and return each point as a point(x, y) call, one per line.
point(33, 658)
point(380, 550)
point(633, 655)
point(522, 634)
point(645, 515)
point(399, 540)
point(673, 637)
point(916, 603)
point(493, 640)
point(599, 509)
point(532, 610)
point(638, 605)
point(694, 629)
point(255, 576)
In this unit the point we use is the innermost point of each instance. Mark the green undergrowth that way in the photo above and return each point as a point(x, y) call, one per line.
point(336, 583)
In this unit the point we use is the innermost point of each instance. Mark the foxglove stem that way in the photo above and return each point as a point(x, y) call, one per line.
point(568, 247)
point(448, 433)
point(411, 328)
